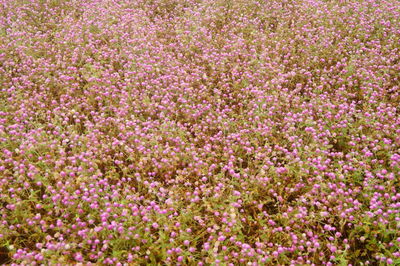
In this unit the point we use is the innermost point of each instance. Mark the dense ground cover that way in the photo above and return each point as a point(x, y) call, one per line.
point(200, 132)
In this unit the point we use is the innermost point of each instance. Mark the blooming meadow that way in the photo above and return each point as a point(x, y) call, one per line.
point(200, 132)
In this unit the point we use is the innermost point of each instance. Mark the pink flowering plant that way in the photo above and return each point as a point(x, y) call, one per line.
point(199, 132)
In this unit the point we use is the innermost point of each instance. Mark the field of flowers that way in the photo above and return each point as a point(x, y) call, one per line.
point(200, 132)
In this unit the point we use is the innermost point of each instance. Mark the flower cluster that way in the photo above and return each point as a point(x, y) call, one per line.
point(198, 132)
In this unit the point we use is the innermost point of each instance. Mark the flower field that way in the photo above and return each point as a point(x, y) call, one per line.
point(200, 132)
